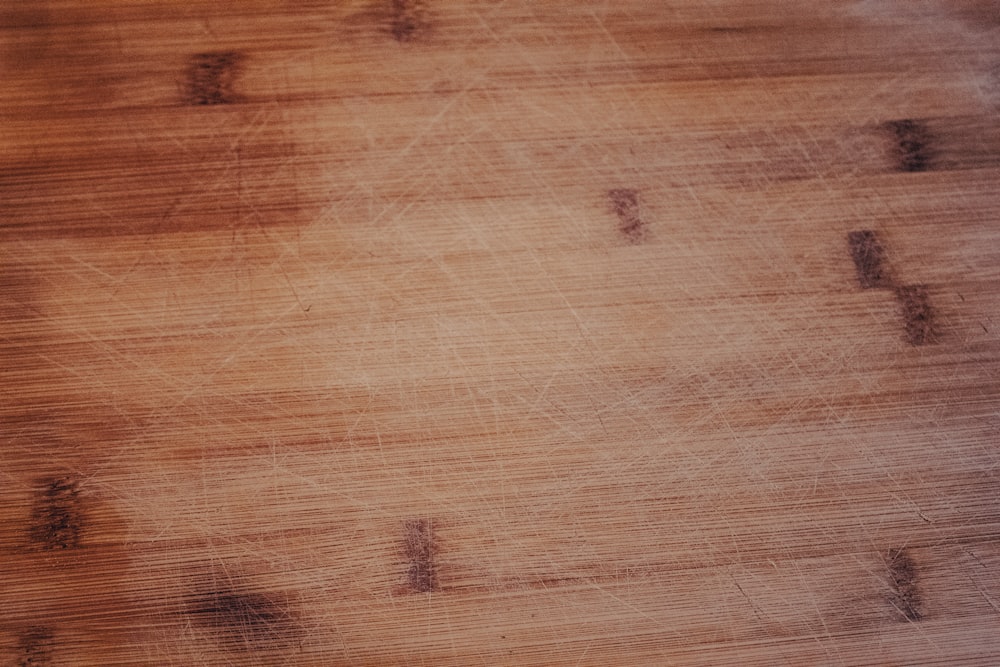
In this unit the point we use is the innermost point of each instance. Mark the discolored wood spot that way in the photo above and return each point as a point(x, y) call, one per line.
point(911, 145)
point(625, 203)
point(918, 316)
point(407, 19)
point(869, 259)
point(57, 516)
point(246, 620)
point(904, 595)
point(34, 648)
point(211, 78)
point(421, 551)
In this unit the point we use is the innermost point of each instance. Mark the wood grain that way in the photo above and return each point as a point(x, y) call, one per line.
point(404, 332)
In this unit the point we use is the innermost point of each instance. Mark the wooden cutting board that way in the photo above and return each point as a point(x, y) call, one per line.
point(500, 333)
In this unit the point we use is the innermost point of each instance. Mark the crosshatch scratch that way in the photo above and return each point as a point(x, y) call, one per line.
point(395, 332)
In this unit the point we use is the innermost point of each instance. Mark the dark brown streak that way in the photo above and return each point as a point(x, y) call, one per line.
point(421, 551)
point(407, 20)
point(57, 518)
point(869, 259)
point(904, 595)
point(211, 78)
point(918, 316)
point(35, 647)
point(912, 140)
point(625, 203)
point(247, 620)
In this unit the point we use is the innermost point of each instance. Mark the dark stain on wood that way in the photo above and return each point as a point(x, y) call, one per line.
point(57, 519)
point(868, 254)
point(421, 552)
point(918, 316)
point(407, 19)
point(34, 647)
point(211, 78)
point(246, 620)
point(912, 141)
point(625, 203)
point(904, 595)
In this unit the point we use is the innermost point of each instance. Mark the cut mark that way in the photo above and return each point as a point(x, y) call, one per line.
point(211, 78)
point(406, 20)
point(251, 621)
point(918, 316)
point(35, 648)
point(57, 518)
point(903, 596)
point(421, 550)
point(625, 203)
point(911, 144)
point(869, 259)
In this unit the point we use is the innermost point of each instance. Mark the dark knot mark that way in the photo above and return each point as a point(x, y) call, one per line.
point(35, 648)
point(625, 203)
point(57, 517)
point(406, 19)
point(211, 78)
point(421, 550)
point(912, 139)
point(246, 620)
point(904, 595)
point(918, 316)
point(869, 259)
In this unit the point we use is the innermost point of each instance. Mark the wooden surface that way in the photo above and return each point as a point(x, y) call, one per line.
point(500, 333)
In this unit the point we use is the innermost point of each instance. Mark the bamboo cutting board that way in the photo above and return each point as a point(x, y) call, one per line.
point(500, 333)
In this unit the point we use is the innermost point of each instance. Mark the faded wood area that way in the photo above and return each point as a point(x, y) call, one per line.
point(499, 333)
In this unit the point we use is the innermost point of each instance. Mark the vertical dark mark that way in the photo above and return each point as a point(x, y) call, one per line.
point(918, 317)
point(57, 518)
point(869, 259)
point(35, 648)
point(211, 78)
point(625, 203)
point(246, 620)
point(407, 20)
point(903, 594)
point(420, 552)
point(911, 137)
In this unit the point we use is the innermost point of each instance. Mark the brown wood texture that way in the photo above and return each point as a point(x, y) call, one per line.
point(500, 333)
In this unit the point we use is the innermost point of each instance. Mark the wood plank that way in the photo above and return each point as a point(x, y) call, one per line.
point(402, 333)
